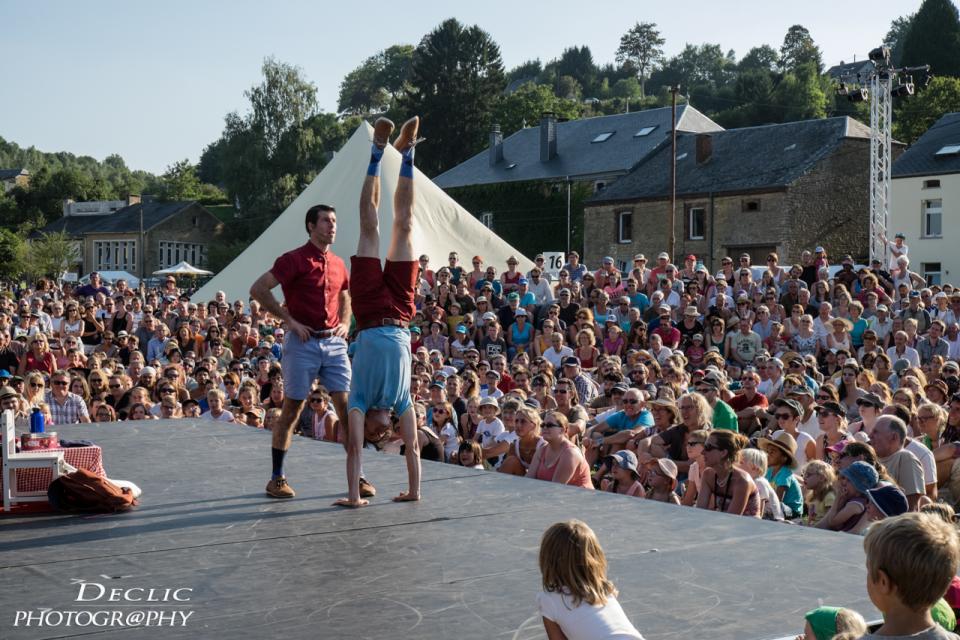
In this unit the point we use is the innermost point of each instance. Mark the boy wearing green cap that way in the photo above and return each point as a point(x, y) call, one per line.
point(823, 623)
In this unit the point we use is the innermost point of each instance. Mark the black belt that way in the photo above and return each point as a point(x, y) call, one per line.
point(323, 333)
point(385, 322)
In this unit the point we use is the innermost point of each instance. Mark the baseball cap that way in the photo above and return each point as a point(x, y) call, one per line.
point(624, 459)
point(571, 361)
point(513, 295)
point(663, 255)
point(870, 400)
point(607, 260)
point(522, 280)
point(461, 328)
point(520, 312)
point(690, 256)
point(489, 315)
point(914, 294)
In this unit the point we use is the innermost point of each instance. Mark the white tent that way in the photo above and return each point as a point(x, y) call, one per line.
point(440, 224)
point(183, 269)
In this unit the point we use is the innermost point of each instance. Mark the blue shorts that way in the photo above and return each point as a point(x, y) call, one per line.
point(305, 361)
point(382, 368)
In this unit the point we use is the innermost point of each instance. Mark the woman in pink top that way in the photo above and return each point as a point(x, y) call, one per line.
point(560, 460)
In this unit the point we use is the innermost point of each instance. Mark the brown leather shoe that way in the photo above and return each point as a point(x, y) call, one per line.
point(367, 490)
point(408, 134)
point(382, 129)
point(278, 488)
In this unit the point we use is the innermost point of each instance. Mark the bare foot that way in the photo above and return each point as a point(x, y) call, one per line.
point(347, 502)
point(406, 496)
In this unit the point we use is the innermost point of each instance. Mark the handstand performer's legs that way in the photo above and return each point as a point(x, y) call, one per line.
point(401, 238)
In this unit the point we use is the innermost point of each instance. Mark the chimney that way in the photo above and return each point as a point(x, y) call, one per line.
point(496, 145)
point(704, 147)
point(66, 207)
point(133, 198)
point(548, 136)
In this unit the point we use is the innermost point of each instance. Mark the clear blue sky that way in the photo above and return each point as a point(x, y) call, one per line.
point(152, 81)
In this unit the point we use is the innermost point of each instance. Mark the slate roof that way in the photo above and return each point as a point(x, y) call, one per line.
point(7, 174)
point(849, 70)
point(921, 158)
point(577, 156)
point(125, 220)
point(746, 159)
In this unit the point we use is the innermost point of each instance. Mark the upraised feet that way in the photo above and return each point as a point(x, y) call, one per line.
point(278, 488)
point(408, 134)
point(382, 129)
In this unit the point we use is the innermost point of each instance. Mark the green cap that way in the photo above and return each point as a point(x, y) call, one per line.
point(943, 615)
point(823, 621)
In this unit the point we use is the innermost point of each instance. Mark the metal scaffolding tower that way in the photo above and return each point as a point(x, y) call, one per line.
point(881, 100)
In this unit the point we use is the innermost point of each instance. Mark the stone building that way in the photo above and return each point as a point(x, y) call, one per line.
point(11, 178)
point(110, 238)
point(782, 188)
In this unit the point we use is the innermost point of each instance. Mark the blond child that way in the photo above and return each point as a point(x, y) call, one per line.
point(578, 601)
point(825, 623)
point(754, 462)
point(818, 480)
point(911, 560)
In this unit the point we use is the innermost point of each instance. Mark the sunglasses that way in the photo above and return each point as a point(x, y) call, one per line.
point(783, 416)
point(36, 385)
point(709, 446)
point(113, 386)
point(60, 383)
point(693, 443)
point(316, 400)
point(551, 425)
point(631, 401)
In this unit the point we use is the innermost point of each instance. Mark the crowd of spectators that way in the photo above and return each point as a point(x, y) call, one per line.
point(827, 397)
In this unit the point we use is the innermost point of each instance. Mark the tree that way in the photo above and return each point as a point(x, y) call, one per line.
point(799, 49)
point(361, 91)
point(50, 255)
point(525, 71)
point(934, 38)
point(456, 79)
point(12, 254)
point(284, 99)
point(800, 95)
point(395, 63)
point(915, 115)
point(762, 58)
point(524, 106)
point(642, 47)
point(577, 62)
point(626, 88)
point(180, 182)
point(896, 36)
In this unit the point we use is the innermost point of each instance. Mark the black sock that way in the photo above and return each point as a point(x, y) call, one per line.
point(278, 455)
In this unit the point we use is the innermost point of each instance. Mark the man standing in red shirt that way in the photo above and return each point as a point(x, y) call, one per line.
point(383, 305)
point(317, 316)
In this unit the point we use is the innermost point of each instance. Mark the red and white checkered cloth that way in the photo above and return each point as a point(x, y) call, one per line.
point(37, 480)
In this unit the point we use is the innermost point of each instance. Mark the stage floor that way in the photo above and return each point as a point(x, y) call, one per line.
point(460, 564)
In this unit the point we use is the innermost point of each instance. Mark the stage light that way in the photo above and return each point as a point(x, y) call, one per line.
point(903, 90)
point(859, 94)
point(842, 89)
point(880, 55)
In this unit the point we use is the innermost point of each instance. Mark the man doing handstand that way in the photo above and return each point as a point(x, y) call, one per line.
point(383, 305)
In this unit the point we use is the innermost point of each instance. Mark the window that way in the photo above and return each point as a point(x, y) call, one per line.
point(682, 156)
point(949, 150)
point(931, 184)
point(932, 218)
point(599, 186)
point(790, 147)
point(603, 137)
point(625, 226)
point(173, 253)
point(644, 131)
point(696, 224)
point(932, 273)
point(751, 205)
point(486, 218)
point(115, 255)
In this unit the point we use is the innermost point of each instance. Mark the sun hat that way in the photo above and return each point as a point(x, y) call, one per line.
point(691, 311)
point(8, 392)
point(663, 255)
point(668, 467)
point(861, 475)
point(489, 401)
point(889, 500)
point(461, 328)
point(795, 406)
point(785, 443)
point(823, 621)
point(623, 459)
point(489, 315)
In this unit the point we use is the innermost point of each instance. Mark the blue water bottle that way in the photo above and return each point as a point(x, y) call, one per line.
point(36, 421)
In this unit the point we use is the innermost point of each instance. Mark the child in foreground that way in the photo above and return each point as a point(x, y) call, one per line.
point(578, 602)
point(911, 560)
point(826, 623)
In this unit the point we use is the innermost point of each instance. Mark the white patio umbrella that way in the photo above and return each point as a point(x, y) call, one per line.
point(183, 269)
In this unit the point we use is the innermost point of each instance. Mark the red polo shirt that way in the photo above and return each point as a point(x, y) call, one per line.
point(311, 281)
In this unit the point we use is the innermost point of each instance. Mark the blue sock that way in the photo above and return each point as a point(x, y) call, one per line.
point(406, 164)
point(278, 455)
point(376, 155)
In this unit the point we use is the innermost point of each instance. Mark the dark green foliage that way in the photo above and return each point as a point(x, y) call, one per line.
point(934, 38)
